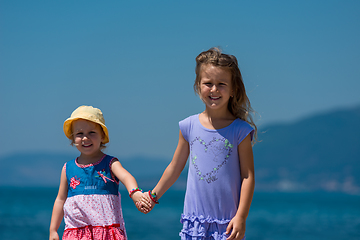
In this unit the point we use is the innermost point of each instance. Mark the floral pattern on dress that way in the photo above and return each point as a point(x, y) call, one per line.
point(74, 181)
point(217, 148)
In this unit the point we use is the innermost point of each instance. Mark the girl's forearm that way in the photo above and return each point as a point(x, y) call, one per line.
point(130, 183)
point(174, 169)
point(124, 176)
point(169, 177)
point(57, 215)
point(247, 192)
point(246, 158)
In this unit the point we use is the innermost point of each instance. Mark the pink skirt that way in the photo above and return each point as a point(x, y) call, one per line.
point(112, 232)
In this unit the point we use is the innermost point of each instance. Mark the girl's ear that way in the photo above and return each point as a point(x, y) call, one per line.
point(102, 135)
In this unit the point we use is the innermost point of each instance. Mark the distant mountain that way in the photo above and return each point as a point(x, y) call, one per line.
point(32, 169)
point(43, 169)
point(317, 153)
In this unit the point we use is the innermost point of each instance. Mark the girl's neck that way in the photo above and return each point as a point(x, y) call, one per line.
point(223, 113)
point(216, 119)
point(84, 159)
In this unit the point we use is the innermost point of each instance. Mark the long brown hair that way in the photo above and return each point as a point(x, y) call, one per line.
point(239, 105)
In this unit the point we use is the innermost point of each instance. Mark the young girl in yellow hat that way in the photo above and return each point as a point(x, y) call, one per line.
point(88, 196)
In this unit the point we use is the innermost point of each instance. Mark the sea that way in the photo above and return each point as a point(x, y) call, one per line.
point(25, 214)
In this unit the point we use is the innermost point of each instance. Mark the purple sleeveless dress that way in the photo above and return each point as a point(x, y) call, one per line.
point(214, 181)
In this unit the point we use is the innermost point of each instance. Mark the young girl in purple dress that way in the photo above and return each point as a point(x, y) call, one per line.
point(218, 144)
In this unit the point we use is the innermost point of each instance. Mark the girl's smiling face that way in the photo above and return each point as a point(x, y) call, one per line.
point(215, 86)
point(87, 136)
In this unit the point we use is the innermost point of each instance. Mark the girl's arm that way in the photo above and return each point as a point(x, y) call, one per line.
point(174, 169)
point(58, 212)
point(130, 183)
point(238, 223)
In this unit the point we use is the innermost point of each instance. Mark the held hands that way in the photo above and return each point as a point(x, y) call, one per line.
point(146, 204)
point(141, 201)
point(236, 227)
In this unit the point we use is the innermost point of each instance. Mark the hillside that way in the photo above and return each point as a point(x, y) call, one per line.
point(317, 153)
point(43, 169)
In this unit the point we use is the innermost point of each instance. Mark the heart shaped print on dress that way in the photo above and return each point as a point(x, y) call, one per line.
point(216, 153)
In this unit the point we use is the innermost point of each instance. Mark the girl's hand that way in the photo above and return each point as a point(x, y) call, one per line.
point(142, 202)
point(238, 225)
point(54, 235)
point(142, 208)
point(151, 201)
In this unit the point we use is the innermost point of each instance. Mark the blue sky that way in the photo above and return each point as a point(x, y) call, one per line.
point(135, 61)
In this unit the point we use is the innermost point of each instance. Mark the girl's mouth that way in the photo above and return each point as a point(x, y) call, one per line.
point(214, 98)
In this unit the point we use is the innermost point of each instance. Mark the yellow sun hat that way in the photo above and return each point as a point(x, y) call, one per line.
point(87, 113)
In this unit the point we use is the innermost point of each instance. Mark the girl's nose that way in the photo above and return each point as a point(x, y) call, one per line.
point(213, 88)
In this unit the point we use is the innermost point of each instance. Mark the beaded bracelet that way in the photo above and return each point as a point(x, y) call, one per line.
point(153, 197)
point(135, 190)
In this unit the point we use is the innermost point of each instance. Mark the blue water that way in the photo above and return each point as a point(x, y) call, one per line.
point(25, 214)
